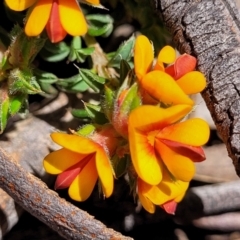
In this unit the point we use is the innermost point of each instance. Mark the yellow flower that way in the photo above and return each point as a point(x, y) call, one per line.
point(81, 161)
point(168, 191)
point(169, 85)
point(157, 137)
point(58, 16)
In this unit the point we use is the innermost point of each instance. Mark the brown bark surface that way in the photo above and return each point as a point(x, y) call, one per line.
point(210, 30)
point(34, 196)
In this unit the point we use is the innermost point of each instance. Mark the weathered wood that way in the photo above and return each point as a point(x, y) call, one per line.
point(213, 207)
point(34, 196)
point(210, 30)
point(17, 144)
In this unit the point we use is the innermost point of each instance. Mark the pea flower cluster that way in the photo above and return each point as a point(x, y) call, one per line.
point(146, 133)
point(59, 17)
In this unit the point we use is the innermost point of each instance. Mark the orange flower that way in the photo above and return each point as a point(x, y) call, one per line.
point(58, 16)
point(81, 161)
point(166, 194)
point(169, 85)
point(157, 138)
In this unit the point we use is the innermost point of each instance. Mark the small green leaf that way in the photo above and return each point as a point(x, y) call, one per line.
point(108, 102)
point(73, 84)
point(80, 86)
point(120, 165)
point(124, 70)
point(91, 111)
point(100, 25)
point(55, 52)
point(100, 31)
point(126, 84)
point(45, 77)
point(94, 112)
point(131, 100)
point(4, 115)
point(15, 103)
point(92, 80)
point(48, 90)
point(68, 82)
point(76, 44)
point(86, 51)
point(23, 82)
point(124, 52)
point(86, 130)
point(79, 113)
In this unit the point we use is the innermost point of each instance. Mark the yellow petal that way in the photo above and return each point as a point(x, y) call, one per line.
point(146, 203)
point(60, 160)
point(143, 56)
point(166, 191)
point(105, 172)
point(72, 18)
point(38, 18)
point(179, 166)
point(149, 118)
point(192, 82)
point(164, 88)
point(19, 5)
point(92, 2)
point(167, 55)
point(193, 132)
point(179, 197)
point(144, 159)
point(75, 143)
point(82, 186)
point(159, 66)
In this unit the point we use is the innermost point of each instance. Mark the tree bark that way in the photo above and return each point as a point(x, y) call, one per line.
point(210, 30)
point(34, 196)
point(15, 142)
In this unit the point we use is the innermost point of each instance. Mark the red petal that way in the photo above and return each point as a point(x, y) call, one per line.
point(55, 31)
point(196, 154)
point(184, 64)
point(170, 207)
point(65, 179)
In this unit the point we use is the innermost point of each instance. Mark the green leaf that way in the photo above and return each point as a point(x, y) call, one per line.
point(77, 53)
point(91, 111)
point(23, 49)
point(80, 86)
point(131, 100)
point(94, 112)
point(86, 51)
point(23, 82)
point(73, 84)
point(99, 25)
point(48, 90)
point(15, 103)
point(4, 115)
point(108, 102)
point(76, 44)
point(79, 113)
point(124, 52)
point(124, 70)
point(92, 80)
point(120, 165)
point(68, 82)
point(86, 130)
point(81, 54)
point(45, 77)
point(127, 83)
point(55, 52)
